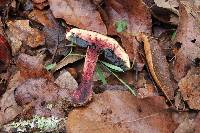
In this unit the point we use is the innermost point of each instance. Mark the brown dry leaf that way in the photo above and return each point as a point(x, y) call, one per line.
point(138, 18)
point(186, 121)
point(15, 80)
point(54, 33)
point(169, 4)
point(188, 37)
point(165, 15)
point(41, 6)
point(65, 80)
point(19, 32)
point(121, 112)
point(158, 66)
point(35, 89)
point(38, 1)
point(67, 60)
point(82, 14)
point(190, 88)
point(145, 87)
point(187, 126)
point(166, 11)
point(197, 121)
point(9, 108)
point(31, 67)
point(45, 97)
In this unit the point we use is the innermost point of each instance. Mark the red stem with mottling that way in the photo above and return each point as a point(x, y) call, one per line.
point(84, 92)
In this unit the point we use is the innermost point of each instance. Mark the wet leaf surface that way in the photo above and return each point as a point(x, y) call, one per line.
point(137, 17)
point(9, 108)
point(54, 33)
point(41, 73)
point(190, 88)
point(82, 14)
point(119, 111)
point(20, 32)
point(188, 38)
point(157, 63)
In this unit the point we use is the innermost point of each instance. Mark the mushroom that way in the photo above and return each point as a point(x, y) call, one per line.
point(95, 43)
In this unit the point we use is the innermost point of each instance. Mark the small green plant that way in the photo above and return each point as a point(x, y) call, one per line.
point(50, 67)
point(110, 68)
point(100, 75)
point(113, 67)
point(121, 25)
point(173, 35)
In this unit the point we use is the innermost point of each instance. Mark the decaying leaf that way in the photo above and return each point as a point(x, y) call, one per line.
point(67, 60)
point(119, 111)
point(158, 66)
point(65, 80)
point(187, 38)
point(190, 88)
point(45, 97)
point(166, 11)
point(138, 19)
point(20, 32)
point(38, 1)
point(37, 91)
point(9, 108)
point(53, 32)
point(32, 67)
point(82, 14)
point(170, 4)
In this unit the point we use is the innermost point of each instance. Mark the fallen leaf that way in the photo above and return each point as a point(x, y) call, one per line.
point(170, 4)
point(119, 111)
point(145, 87)
point(187, 122)
point(15, 80)
point(165, 15)
point(82, 14)
point(36, 91)
point(20, 31)
point(38, 1)
point(45, 96)
point(189, 86)
point(158, 66)
point(53, 32)
point(188, 38)
point(9, 108)
point(41, 6)
point(32, 67)
point(187, 126)
point(67, 60)
point(65, 80)
point(137, 17)
point(197, 121)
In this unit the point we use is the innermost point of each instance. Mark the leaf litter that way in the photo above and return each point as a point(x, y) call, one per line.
point(40, 77)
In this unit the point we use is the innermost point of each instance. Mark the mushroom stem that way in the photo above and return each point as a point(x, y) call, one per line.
point(84, 92)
